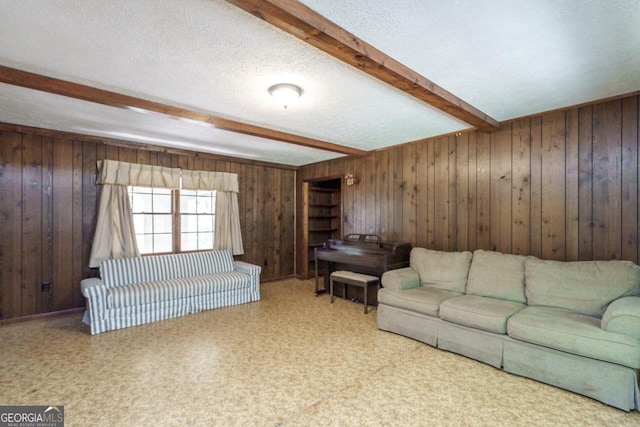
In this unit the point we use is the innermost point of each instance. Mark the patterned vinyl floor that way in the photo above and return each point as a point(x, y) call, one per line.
point(292, 359)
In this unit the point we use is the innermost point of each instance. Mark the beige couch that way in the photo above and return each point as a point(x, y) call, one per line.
point(575, 325)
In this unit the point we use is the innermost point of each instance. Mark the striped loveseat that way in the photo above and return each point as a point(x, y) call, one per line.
point(133, 291)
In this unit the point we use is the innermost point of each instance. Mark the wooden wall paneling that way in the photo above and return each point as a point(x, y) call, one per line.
point(409, 193)
point(521, 187)
point(165, 159)
point(462, 191)
point(260, 214)
point(47, 222)
point(268, 218)
point(536, 187)
point(585, 183)
point(452, 233)
point(252, 212)
point(441, 194)
point(348, 201)
point(501, 185)
point(180, 161)
point(371, 194)
point(607, 189)
point(483, 191)
point(63, 187)
point(395, 194)
point(431, 195)
point(359, 214)
point(383, 185)
point(89, 202)
point(11, 208)
point(422, 191)
point(275, 182)
point(126, 154)
point(472, 170)
point(572, 202)
point(553, 186)
point(111, 152)
point(142, 157)
point(630, 200)
point(287, 243)
point(76, 234)
point(31, 224)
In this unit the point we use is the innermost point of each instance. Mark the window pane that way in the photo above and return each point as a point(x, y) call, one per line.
point(204, 204)
point(162, 203)
point(147, 203)
point(189, 241)
point(137, 203)
point(187, 203)
point(205, 223)
point(189, 223)
point(145, 243)
point(138, 223)
point(205, 241)
point(161, 223)
point(162, 243)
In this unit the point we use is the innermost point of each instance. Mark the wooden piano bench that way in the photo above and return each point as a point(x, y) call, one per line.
point(356, 279)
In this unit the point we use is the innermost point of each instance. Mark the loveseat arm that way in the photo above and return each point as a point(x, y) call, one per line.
point(250, 269)
point(622, 316)
point(95, 292)
point(401, 279)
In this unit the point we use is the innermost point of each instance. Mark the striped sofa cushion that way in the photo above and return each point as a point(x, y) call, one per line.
point(138, 294)
point(126, 271)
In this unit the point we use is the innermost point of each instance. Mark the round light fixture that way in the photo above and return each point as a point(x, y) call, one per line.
point(285, 93)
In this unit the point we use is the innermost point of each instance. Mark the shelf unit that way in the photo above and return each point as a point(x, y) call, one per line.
point(321, 218)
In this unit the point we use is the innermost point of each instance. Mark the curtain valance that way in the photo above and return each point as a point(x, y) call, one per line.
point(122, 173)
point(205, 180)
point(115, 235)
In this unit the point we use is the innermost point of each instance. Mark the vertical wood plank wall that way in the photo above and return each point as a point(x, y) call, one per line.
point(48, 202)
point(560, 186)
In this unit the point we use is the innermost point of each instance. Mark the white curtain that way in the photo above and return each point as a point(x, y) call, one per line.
point(115, 236)
point(228, 234)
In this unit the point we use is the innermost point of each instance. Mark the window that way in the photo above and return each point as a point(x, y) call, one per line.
point(168, 221)
point(197, 211)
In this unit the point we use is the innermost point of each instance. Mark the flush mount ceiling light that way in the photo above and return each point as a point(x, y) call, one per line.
point(285, 93)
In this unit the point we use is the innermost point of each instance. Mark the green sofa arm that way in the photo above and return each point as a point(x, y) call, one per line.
point(401, 279)
point(622, 316)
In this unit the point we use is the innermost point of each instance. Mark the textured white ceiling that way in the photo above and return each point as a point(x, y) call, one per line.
point(507, 58)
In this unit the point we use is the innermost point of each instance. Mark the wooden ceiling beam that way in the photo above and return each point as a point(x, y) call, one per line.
point(304, 23)
point(39, 82)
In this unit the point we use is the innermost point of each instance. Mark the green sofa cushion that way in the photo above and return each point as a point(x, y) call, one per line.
point(488, 314)
point(497, 275)
point(586, 287)
point(421, 300)
point(441, 270)
point(574, 333)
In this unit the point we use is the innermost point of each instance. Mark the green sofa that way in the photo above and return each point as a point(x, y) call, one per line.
point(574, 325)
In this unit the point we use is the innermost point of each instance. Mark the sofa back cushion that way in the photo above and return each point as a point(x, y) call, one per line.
point(441, 270)
point(497, 275)
point(124, 271)
point(585, 287)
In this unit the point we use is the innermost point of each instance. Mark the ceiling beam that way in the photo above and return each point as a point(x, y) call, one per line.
point(304, 23)
point(39, 82)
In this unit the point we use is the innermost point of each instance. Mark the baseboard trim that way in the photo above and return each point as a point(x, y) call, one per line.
point(42, 316)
